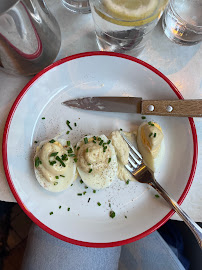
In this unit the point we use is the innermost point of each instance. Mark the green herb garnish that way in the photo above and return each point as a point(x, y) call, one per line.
point(127, 182)
point(56, 177)
point(75, 160)
point(90, 171)
point(157, 196)
point(94, 137)
point(68, 143)
point(109, 204)
point(68, 124)
point(121, 129)
point(109, 142)
point(67, 132)
point(51, 213)
point(54, 154)
point(81, 181)
point(112, 214)
point(126, 217)
point(143, 117)
point(94, 141)
point(79, 194)
point(52, 162)
point(55, 183)
point(70, 150)
point(60, 207)
point(94, 191)
point(104, 148)
point(150, 134)
point(68, 209)
point(88, 199)
point(109, 160)
point(64, 157)
point(85, 187)
point(52, 141)
point(35, 141)
point(71, 155)
point(98, 203)
point(75, 124)
point(62, 175)
point(86, 150)
point(99, 139)
point(85, 140)
point(101, 142)
point(78, 148)
point(37, 162)
point(43, 118)
point(155, 135)
point(60, 160)
point(84, 192)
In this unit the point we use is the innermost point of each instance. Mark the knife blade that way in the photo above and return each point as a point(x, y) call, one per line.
point(180, 107)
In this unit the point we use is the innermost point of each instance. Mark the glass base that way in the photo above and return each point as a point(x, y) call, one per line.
point(77, 6)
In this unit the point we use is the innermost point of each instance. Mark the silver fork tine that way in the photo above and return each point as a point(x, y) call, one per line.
point(134, 150)
point(134, 164)
point(134, 157)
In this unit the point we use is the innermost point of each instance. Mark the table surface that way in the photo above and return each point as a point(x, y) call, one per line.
point(182, 65)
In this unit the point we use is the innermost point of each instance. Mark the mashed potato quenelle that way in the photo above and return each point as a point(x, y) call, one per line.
point(55, 165)
point(97, 163)
point(150, 144)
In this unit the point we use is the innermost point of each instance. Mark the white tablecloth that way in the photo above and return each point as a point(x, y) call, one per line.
point(182, 65)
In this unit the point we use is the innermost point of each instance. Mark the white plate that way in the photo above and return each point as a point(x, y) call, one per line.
point(87, 224)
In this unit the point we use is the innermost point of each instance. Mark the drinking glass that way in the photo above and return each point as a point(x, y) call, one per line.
point(119, 32)
point(77, 6)
point(182, 21)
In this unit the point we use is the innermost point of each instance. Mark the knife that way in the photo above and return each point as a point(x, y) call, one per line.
point(180, 107)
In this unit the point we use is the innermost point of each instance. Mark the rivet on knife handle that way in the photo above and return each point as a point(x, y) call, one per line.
point(186, 108)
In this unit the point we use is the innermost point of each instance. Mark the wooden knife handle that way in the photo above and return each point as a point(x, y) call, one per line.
point(181, 107)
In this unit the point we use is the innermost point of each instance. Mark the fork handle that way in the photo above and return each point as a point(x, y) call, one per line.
point(195, 228)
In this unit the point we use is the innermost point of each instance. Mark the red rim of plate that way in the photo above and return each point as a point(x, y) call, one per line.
point(16, 195)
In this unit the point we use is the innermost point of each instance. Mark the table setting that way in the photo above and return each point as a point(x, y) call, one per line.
point(155, 67)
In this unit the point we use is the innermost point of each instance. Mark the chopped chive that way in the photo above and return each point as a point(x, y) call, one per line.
point(64, 157)
point(85, 140)
point(112, 214)
point(94, 137)
point(51, 213)
point(84, 192)
point(67, 132)
point(52, 141)
point(121, 129)
point(101, 142)
point(70, 150)
point(104, 148)
point(78, 148)
point(88, 199)
point(94, 141)
point(109, 160)
point(86, 150)
point(52, 162)
point(99, 139)
point(60, 160)
point(54, 154)
point(74, 146)
point(109, 142)
point(150, 134)
point(94, 191)
point(85, 187)
point(43, 118)
point(127, 182)
point(37, 162)
point(55, 183)
point(152, 125)
point(62, 175)
point(81, 181)
point(75, 160)
point(143, 117)
point(90, 171)
point(157, 196)
point(68, 124)
point(71, 185)
point(109, 204)
point(79, 194)
point(71, 155)
point(56, 177)
point(68, 143)
point(104, 144)
point(68, 209)
point(126, 217)
point(98, 203)
point(75, 124)
point(60, 207)
point(89, 164)
point(35, 141)
point(155, 135)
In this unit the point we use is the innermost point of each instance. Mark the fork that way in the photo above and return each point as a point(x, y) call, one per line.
point(143, 174)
